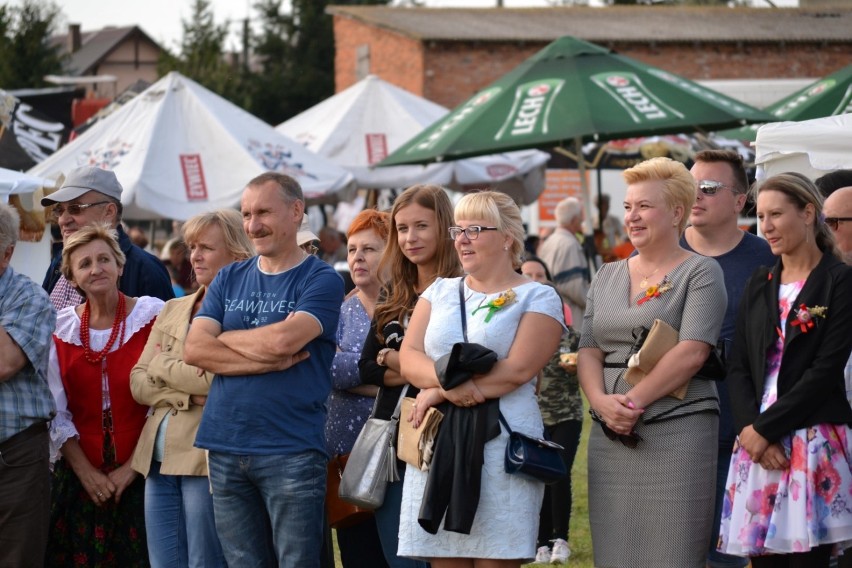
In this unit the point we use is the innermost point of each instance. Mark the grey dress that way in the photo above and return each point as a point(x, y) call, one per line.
point(653, 505)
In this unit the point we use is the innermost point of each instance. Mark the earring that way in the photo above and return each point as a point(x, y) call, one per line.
point(505, 247)
point(808, 234)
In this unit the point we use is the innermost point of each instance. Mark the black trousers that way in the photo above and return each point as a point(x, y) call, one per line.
point(556, 506)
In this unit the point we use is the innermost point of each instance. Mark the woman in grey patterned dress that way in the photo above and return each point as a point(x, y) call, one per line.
point(653, 457)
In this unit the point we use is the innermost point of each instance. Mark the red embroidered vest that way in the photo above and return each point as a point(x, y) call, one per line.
point(82, 382)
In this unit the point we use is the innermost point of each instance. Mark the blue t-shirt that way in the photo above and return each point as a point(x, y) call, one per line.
point(737, 265)
point(281, 412)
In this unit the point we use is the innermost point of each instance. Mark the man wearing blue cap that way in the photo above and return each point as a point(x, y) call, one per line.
point(92, 195)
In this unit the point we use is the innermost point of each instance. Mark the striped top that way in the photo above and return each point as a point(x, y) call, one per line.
point(694, 304)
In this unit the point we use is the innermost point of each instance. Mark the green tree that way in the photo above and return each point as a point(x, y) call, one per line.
point(296, 56)
point(26, 54)
point(202, 55)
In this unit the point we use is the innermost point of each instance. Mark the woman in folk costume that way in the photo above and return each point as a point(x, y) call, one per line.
point(97, 516)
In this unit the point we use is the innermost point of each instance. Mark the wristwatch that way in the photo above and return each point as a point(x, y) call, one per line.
point(380, 358)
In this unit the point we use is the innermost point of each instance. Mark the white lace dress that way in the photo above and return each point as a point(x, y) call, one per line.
point(506, 522)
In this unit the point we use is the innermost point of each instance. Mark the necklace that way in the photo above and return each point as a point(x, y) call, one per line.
point(644, 282)
point(118, 324)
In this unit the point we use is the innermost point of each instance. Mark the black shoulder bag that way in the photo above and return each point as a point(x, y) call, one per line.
point(534, 458)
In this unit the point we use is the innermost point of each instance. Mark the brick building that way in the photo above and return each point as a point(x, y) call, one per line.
point(446, 55)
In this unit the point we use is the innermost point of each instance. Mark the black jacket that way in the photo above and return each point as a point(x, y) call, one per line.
point(811, 387)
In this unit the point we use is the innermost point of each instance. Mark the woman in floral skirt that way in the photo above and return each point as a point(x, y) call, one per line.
point(789, 487)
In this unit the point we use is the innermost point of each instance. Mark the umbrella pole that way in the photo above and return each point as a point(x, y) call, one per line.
point(589, 244)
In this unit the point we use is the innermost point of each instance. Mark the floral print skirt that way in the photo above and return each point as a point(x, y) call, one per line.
point(793, 510)
point(83, 534)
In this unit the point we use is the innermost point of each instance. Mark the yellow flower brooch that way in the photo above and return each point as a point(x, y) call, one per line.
point(655, 291)
point(497, 304)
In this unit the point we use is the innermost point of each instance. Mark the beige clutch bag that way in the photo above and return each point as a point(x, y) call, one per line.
point(661, 338)
point(416, 445)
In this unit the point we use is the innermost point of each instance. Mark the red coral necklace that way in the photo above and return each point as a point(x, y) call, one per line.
point(118, 325)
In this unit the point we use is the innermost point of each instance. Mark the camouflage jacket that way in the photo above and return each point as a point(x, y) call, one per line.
point(559, 397)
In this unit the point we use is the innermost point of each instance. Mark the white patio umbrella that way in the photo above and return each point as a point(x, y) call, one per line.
point(359, 126)
point(810, 147)
point(12, 182)
point(179, 149)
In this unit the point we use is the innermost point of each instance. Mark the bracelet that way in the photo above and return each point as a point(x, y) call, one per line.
point(383, 353)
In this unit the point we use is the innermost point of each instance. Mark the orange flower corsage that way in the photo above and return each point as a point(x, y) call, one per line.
point(655, 291)
point(497, 304)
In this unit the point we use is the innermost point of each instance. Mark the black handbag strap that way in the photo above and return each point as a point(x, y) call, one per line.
point(504, 423)
point(462, 308)
point(396, 410)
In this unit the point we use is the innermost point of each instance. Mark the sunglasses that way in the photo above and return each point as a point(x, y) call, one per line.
point(630, 440)
point(834, 222)
point(74, 209)
point(472, 232)
point(710, 187)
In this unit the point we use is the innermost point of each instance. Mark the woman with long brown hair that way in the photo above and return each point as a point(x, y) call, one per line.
point(418, 251)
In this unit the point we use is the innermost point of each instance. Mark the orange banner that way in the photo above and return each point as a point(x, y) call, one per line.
point(559, 184)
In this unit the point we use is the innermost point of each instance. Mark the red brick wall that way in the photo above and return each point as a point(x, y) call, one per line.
point(393, 57)
point(450, 72)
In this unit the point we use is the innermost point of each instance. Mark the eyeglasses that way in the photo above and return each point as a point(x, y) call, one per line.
point(834, 222)
point(630, 440)
point(472, 232)
point(74, 209)
point(711, 187)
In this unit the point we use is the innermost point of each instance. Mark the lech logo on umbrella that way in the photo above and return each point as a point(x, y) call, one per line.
point(531, 108)
point(464, 114)
point(629, 91)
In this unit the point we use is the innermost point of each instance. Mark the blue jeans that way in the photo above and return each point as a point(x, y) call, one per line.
point(716, 559)
point(387, 521)
point(269, 509)
point(179, 521)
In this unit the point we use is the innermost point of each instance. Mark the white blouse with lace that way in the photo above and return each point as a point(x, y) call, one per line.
point(68, 330)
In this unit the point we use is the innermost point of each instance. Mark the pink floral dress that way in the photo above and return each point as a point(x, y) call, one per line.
point(793, 510)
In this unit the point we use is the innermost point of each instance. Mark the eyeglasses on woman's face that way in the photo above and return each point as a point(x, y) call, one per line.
point(471, 232)
point(712, 187)
point(630, 440)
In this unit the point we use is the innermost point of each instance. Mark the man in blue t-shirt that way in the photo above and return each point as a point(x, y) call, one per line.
point(721, 195)
point(266, 329)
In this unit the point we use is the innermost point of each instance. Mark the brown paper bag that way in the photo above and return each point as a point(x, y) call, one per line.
point(661, 338)
point(416, 445)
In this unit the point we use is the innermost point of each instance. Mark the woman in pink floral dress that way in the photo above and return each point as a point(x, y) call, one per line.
point(789, 487)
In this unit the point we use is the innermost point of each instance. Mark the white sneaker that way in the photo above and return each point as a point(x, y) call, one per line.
point(560, 553)
point(542, 556)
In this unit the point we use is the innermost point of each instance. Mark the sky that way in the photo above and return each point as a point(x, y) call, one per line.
point(161, 19)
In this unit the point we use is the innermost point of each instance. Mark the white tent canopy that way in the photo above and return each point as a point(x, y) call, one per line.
point(12, 182)
point(179, 149)
point(359, 126)
point(809, 147)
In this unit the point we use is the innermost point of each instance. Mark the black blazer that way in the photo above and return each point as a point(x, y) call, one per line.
point(811, 387)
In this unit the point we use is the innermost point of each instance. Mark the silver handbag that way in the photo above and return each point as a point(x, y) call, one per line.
point(372, 461)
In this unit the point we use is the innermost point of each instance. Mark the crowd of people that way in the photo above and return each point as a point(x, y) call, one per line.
point(142, 429)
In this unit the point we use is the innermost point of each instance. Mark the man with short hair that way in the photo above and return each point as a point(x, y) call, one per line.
point(722, 185)
point(26, 324)
point(564, 256)
point(91, 195)
point(267, 330)
point(838, 216)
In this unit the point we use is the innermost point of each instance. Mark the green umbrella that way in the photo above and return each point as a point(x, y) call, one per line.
point(828, 96)
point(572, 91)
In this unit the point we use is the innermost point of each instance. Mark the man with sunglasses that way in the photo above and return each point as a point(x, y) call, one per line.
point(721, 186)
point(91, 195)
point(838, 217)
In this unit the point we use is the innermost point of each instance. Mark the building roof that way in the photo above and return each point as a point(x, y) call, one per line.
point(95, 46)
point(611, 24)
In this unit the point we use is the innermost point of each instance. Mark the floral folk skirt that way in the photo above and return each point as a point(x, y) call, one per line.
point(793, 510)
point(83, 534)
